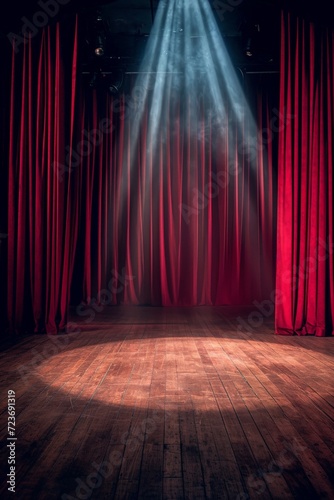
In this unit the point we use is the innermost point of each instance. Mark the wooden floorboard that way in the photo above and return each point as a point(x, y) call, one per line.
point(170, 403)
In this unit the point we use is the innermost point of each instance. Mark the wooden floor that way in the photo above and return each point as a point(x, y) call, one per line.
point(154, 403)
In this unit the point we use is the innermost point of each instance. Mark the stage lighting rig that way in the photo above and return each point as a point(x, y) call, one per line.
point(99, 36)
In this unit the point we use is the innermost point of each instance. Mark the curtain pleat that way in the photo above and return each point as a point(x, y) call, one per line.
point(191, 217)
point(42, 202)
point(305, 180)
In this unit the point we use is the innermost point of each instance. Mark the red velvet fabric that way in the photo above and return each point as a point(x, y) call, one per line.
point(42, 211)
point(187, 219)
point(96, 216)
point(305, 262)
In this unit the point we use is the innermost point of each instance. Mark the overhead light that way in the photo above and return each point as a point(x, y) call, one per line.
point(99, 47)
point(249, 51)
point(113, 89)
point(252, 39)
point(100, 35)
point(115, 82)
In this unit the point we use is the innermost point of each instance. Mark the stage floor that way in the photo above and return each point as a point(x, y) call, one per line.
point(170, 403)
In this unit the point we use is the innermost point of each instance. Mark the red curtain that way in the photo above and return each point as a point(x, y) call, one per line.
point(187, 218)
point(96, 217)
point(42, 206)
point(305, 263)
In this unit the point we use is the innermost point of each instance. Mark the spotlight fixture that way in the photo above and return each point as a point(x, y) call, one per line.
point(113, 89)
point(99, 46)
point(252, 39)
point(249, 52)
point(99, 36)
point(115, 82)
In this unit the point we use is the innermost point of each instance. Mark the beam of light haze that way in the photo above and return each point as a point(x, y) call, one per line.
point(186, 53)
point(188, 84)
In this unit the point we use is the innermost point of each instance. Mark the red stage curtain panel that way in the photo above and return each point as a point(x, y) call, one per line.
point(42, 202)
point(186, 217)
point(305, 262)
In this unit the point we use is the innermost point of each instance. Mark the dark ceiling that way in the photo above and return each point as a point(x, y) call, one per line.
point(127, 24)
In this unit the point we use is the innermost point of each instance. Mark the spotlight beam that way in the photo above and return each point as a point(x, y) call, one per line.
point(193, 77)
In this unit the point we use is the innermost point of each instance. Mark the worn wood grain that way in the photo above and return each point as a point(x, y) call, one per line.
point(154, 403)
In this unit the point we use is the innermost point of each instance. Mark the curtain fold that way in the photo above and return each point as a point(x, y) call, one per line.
point(305, 263)
point(189, 214)
point(42, 203)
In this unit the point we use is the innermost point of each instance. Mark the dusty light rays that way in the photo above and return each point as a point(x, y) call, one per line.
point(187, 68)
